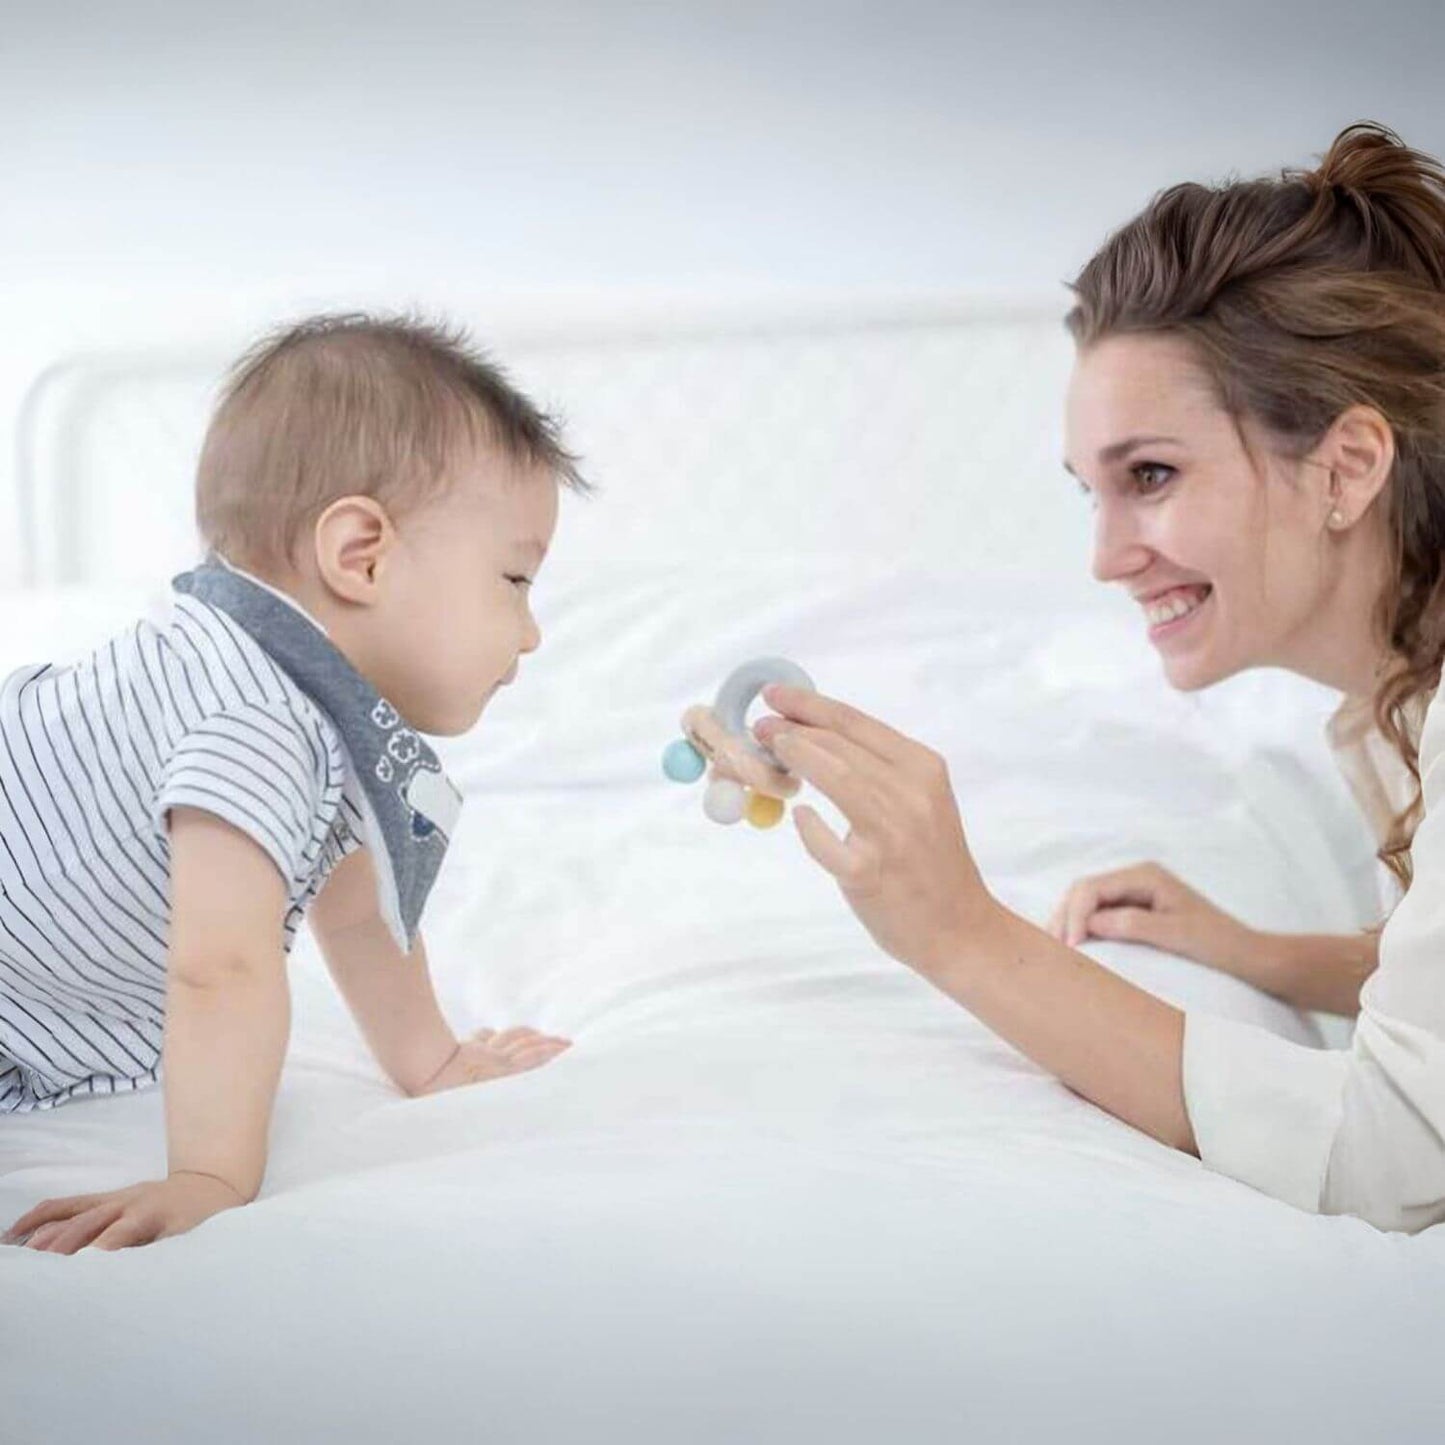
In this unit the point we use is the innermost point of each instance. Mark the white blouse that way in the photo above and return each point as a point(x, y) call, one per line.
point(1359, 1130)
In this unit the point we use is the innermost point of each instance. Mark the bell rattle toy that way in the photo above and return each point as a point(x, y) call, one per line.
point(685, 760)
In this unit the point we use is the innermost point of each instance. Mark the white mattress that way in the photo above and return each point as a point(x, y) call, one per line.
point(779, 1189)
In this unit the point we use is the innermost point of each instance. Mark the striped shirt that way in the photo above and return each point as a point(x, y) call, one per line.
point(183, 711)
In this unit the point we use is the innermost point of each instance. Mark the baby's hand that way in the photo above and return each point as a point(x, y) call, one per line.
point(490, 1055)
point(141, 1214)
point(731, 759)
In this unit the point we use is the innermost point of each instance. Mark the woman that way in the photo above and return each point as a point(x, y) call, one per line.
point(1257, 412)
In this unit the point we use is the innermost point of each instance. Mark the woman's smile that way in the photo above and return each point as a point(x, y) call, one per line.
point(1171, 613)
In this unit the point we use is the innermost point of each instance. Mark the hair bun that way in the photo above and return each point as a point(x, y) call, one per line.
point(1396, 196)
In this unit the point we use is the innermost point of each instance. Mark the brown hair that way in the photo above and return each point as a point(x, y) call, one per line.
point(354, 405)
point(1304, 295)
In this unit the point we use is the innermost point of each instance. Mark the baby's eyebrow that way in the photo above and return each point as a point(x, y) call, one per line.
point(532, 548)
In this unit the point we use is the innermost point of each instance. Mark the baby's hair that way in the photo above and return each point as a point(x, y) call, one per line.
point(355, 405)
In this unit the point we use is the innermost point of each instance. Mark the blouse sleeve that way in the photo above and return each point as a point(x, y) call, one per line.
point(1353, 1131)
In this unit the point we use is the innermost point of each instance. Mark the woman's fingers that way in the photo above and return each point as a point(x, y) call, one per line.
point(1077, 911)
point(817, 710)
point(1130, 925)
point(1138, 925)
point(821, 761)
point(731, 757)
point(1135, 887)
point(828, 850)
point(857, 781)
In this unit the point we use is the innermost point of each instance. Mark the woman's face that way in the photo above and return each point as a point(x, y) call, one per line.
point(1227, 553)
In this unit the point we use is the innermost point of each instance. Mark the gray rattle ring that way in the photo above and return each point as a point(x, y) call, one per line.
point(727, 801)
point(740, 690)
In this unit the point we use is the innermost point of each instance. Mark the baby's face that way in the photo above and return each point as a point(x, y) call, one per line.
point(457, 618)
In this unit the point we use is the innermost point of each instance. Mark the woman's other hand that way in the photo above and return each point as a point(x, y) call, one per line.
point(1148, 904)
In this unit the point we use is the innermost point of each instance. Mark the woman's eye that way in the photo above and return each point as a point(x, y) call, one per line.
point(1151, 476)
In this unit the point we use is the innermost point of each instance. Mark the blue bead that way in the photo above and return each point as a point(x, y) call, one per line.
point(682, 762)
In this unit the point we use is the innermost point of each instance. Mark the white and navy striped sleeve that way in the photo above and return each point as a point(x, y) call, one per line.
point(256, 768)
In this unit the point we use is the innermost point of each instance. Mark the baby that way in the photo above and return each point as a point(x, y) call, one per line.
point(377, 501)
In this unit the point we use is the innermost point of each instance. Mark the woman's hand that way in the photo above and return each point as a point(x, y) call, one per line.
point(1148, 904)
point(122, 1218)
point(905, 867)
point(730, 758)
point(906, 870)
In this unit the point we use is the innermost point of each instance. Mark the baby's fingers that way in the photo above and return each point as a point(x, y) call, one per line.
point(519, 1037)
point(129, 1231)
point(75, 1234)
point(47, 1212)
point(533, 1056)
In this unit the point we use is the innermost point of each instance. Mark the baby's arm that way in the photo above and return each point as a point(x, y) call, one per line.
point(390, 995)
point(227, 1019)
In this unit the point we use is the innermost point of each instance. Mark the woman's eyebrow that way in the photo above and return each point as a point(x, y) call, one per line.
point(1115, 450)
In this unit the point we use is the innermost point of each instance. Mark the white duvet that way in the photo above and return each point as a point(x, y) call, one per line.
point(778, 1189)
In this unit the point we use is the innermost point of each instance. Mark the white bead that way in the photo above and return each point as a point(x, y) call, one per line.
point(725, 801)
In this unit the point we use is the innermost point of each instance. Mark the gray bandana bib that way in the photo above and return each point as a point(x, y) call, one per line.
point(409, 804)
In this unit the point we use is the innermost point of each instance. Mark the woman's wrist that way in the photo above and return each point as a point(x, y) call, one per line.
point(975, 942)
point(1266, 960)
point(1319, 971)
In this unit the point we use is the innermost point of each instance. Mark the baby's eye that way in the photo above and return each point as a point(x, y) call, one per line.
point(518, 580)
point(1151, 476)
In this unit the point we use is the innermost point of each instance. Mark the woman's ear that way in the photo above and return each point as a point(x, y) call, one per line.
point(1359, 452)
point(353, 539)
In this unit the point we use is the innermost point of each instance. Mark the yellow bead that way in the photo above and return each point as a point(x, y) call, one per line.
point(763, 811)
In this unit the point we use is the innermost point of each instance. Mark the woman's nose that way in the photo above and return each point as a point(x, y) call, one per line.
point(1118, 550)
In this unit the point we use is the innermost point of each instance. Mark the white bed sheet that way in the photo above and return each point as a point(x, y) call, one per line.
point(779, 1189)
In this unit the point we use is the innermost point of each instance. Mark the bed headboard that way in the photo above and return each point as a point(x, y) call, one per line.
point(930, 432)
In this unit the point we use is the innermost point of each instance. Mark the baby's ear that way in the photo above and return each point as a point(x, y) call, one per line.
point(353, 539)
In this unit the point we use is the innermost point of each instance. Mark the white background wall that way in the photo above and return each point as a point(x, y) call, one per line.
point(718, 141)
point(168, 167)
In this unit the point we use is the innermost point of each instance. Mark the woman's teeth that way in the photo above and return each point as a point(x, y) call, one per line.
point(1174, 605)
